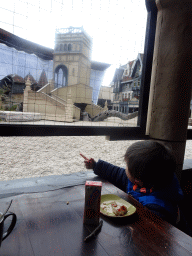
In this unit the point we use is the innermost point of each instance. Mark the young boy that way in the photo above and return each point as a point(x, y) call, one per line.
point(149, 177)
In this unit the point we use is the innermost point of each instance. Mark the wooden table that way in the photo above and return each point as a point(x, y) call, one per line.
point(47, 225)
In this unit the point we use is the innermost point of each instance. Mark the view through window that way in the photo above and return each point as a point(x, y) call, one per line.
point(69, 63)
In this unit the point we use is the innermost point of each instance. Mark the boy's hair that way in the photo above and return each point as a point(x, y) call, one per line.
point(150, 162)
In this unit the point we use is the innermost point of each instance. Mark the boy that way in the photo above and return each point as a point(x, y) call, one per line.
point(149, 177)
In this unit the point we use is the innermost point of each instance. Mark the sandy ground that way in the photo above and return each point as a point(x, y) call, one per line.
point(25, 157)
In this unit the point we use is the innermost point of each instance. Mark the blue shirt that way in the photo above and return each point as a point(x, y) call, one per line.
point(162, 199)
point(167, 198)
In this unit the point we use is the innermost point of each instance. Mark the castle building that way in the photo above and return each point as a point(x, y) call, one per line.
point(68, 66)
point(73, 67)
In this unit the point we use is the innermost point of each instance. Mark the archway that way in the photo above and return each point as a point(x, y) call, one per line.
point(61, 76)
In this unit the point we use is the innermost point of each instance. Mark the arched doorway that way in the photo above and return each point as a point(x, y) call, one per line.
point(61, 76)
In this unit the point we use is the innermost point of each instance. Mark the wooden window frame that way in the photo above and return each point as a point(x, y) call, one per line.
point(114, 133)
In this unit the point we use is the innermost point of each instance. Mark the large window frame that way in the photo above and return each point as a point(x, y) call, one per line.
point(113, 133)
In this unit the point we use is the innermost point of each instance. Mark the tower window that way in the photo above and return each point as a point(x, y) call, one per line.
point(65, 47)
point(69, 47)
point(61, 47)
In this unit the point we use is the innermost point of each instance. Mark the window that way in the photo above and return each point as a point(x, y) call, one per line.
point(65, 47)
point(69, 47)
point(61, 79)
point(61, 47)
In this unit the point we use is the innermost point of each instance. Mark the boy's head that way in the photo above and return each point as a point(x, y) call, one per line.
point(151, 163)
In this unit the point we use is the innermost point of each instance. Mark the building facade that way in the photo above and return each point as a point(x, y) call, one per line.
point(126, 86)
point(72, 57)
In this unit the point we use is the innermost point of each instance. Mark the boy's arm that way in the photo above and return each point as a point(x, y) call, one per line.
point(114, 174)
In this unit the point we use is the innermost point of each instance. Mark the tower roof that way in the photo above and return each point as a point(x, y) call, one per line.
point(72, 30)
point(31, 78)
point(43, 79)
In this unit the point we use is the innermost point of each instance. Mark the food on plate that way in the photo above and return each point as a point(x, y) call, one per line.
point(119, 211)
point(114, 207)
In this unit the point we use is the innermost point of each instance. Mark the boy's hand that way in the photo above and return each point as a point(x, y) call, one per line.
point(89, 164)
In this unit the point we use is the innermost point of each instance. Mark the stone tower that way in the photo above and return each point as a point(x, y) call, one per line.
point(72, 54)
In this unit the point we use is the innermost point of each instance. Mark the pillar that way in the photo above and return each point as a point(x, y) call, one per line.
point(171, 78)
point(69, 107)
point(106, 107)
point(26, 95)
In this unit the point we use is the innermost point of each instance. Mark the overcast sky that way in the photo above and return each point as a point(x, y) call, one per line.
point(117, 27)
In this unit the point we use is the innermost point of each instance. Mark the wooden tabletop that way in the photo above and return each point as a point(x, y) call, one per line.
point(51, 223)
